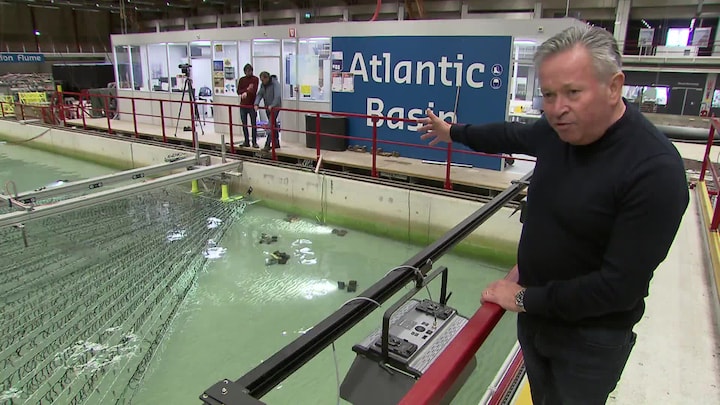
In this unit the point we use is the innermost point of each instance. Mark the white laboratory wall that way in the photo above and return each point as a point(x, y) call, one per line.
point(267, 54)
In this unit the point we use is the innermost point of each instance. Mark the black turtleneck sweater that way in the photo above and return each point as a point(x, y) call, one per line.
point(600, 218)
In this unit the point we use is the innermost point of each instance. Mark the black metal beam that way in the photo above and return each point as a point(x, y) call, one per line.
point(263, 378)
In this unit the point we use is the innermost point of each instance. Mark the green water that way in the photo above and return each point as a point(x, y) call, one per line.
point(31, 168)
point(238, 311)
point(243, 311)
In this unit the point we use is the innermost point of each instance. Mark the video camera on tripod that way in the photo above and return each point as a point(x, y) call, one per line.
point(185, 68)
point(190, 91)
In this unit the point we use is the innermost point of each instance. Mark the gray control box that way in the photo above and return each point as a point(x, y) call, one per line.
point(419, 332)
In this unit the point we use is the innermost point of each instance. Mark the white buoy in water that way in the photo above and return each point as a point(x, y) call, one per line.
point(213, 222)
point(176, 235)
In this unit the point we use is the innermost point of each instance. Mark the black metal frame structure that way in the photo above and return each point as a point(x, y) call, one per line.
point(264, 377)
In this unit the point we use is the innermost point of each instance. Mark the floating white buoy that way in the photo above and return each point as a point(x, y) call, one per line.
point(176, 235)
point(213, 222)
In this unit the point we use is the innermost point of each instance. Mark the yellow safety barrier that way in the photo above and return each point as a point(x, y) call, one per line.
point(713, 238)
point(8, 105)
point(33, 98)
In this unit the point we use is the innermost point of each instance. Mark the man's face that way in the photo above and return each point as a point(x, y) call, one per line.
point(578, 105)
point(248, 72)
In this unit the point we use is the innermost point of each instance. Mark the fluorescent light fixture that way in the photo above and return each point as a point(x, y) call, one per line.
point(526, 42)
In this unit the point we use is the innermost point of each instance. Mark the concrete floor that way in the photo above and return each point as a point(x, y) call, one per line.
point(676, 359)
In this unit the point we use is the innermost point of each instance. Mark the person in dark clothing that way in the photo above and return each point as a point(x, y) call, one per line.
point(270, 93)
point(247, 88)
point(604, 205)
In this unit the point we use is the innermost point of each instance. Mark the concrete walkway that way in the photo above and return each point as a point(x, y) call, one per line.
point(676, 359)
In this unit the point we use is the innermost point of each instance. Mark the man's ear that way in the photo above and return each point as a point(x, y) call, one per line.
point(616, 86)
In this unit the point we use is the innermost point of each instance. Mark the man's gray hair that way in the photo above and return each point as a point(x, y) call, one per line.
point(602, 46)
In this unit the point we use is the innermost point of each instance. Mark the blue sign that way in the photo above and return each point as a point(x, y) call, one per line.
point(21, 57)
point(403, 76)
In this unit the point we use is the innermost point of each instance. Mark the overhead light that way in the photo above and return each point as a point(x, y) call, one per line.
point(525, 42)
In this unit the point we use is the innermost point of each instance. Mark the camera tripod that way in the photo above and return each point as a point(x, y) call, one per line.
point(194, 112)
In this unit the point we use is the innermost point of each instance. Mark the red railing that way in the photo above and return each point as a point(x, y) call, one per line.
point(48, 114)
point(708, 164)
point(437, 381)
point(82, 110)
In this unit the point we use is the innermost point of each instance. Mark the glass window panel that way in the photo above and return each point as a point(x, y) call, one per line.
point(137, 60)
point(201, 68)
point(157, 59)
point(266, 47)
point(314, 68)
point(244, 57)
point(124, 71)
point(177, 55)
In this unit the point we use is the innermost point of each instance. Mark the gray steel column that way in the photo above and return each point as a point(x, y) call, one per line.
point(622, 16)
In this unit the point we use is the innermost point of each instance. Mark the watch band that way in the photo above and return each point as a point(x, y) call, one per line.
point(520, 299)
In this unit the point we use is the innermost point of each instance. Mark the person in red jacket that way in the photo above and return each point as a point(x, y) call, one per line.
point(247, 88)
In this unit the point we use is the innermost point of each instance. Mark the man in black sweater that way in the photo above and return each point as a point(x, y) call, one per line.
point(604, 204)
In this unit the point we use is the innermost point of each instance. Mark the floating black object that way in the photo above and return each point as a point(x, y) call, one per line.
point(341, 285)
point(292, 218)
point(339, 232)
point(352, 286)
point(265, 238)
point(277, 257)
point(282, 257)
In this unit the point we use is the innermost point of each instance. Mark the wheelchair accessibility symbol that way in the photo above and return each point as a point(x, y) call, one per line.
point(495, 83)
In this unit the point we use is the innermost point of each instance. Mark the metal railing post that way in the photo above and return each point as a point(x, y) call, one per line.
point(710, 140)
point(107, 112)
point(272, 134)
point(162, 121)
point(132, 101)
point(317, 135)
point(448, 166)
point(82, 110)
point(374, 171)
point(230, 123)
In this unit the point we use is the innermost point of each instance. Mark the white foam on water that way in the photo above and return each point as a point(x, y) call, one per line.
point(176, 235)
point(215, 252)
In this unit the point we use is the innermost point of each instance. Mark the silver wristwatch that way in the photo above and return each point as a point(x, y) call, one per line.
point(520, 299)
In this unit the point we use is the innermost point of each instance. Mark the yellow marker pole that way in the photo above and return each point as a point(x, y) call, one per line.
point(194, 187)
point(225, 193)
